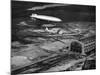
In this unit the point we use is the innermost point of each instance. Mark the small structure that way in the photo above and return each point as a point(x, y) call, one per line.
point(69, 44)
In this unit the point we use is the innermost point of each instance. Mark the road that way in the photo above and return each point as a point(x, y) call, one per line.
point(46, 64)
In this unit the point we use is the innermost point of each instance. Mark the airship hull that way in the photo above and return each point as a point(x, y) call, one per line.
point(44, 17)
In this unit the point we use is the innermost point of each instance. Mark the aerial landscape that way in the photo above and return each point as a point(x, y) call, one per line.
point(52, 37)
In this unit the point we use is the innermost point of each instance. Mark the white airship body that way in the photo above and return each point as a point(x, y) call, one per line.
point(44, 17)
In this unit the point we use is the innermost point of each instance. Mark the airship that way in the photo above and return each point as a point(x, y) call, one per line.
point(45, 17)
